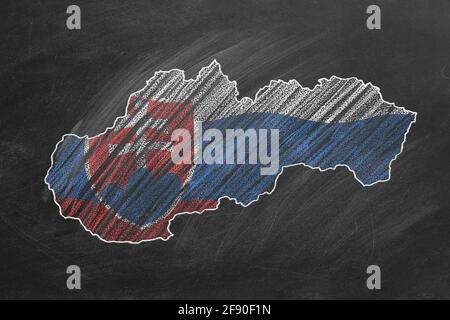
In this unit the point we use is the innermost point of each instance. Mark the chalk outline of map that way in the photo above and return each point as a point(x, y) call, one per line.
point(377, 89)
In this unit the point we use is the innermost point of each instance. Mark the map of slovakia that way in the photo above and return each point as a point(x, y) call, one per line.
point(123, 185)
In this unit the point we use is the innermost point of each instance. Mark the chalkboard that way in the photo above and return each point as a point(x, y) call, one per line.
point(314, 237)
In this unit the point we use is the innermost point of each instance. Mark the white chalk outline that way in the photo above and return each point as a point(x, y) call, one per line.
point(227, 197)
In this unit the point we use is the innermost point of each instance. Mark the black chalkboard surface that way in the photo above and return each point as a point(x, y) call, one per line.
point(314, 237)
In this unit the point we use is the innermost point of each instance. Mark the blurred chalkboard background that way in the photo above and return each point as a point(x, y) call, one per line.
point(314, 237)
